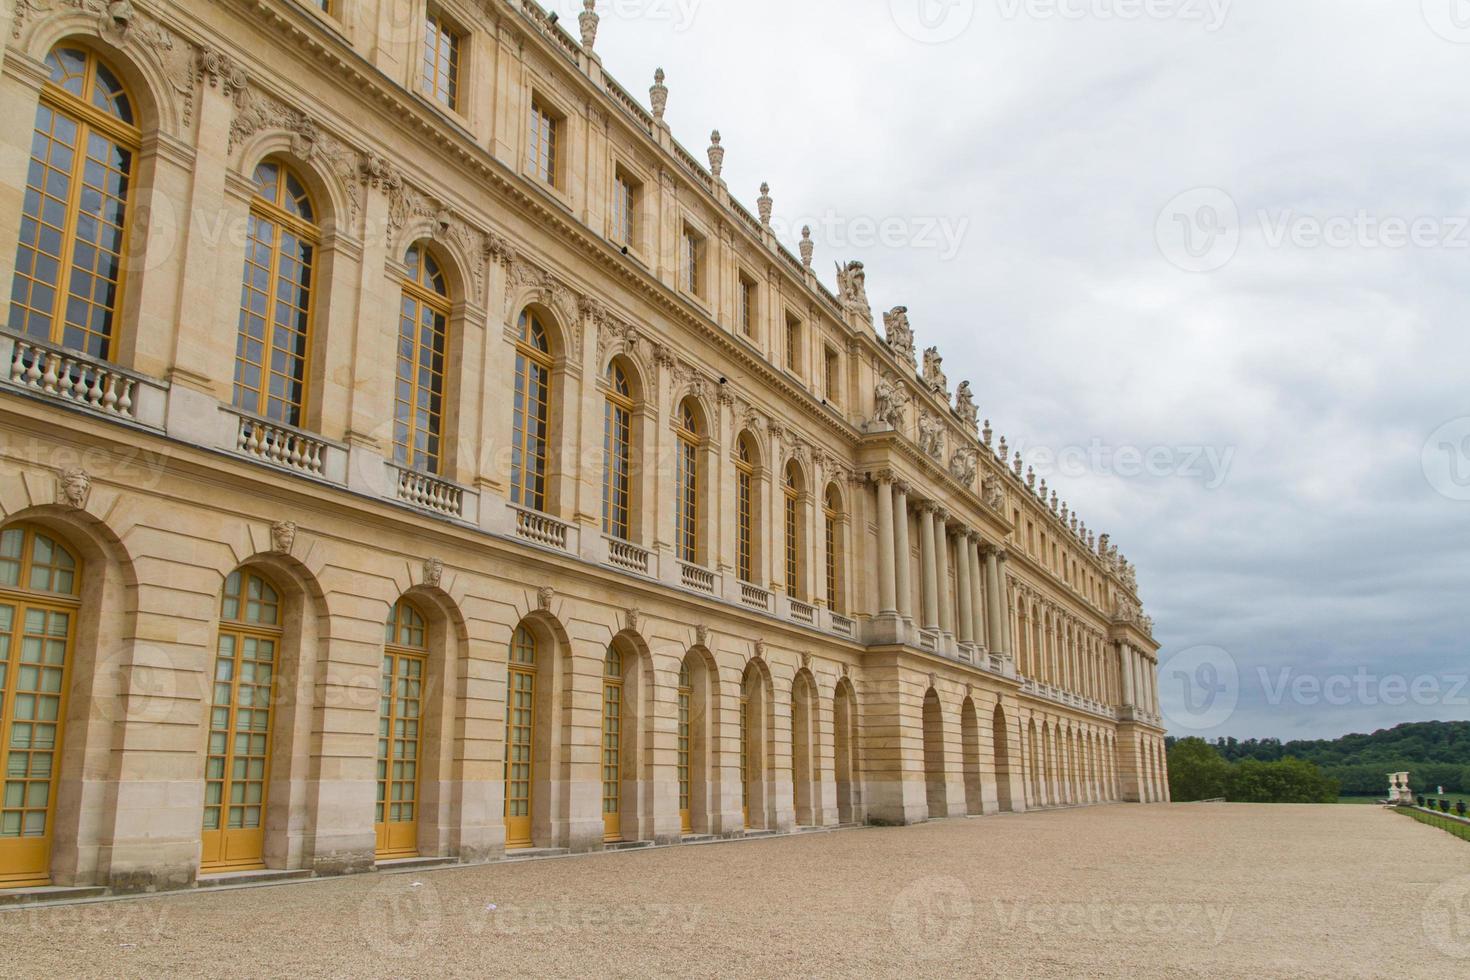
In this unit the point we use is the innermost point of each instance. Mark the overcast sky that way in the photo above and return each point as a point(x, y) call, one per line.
point(1227, 236)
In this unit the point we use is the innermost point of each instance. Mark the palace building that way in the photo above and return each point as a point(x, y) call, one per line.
point(411, 451)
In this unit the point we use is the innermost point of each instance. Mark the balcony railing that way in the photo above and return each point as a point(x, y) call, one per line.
point(928, 641)
point(429, 492)
point(627, 556)
point(842, 626)
point(696, 578)
point(280, 445)
point(803, 612)
point(755, 597)
point(540, 529)
point(82, 381)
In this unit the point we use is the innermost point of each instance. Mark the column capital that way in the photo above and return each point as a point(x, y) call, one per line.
point(881, 476)
point(903, 486)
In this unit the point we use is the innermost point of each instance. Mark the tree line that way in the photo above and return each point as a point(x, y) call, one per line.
point(1435, 753)
point(1198, 771)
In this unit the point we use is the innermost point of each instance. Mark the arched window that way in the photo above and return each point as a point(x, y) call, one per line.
point(612, 745)
point(418, 395)
point(617, 448)
point(791, 494)
point(520, 722)
point(237, 766)
point(40, 585)
point(531, 415)
point(686, 490)
point(73, 228)
point(400, 730)
point(276, 295)
point(745, 511)
point(832, 525)
point(686, 691)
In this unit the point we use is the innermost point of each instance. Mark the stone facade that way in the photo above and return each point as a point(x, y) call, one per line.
point(831, 598)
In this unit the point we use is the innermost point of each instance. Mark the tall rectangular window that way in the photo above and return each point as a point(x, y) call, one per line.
point(746, 311)
point(692, 263)
point(793, 344)
point(625, 209)
point(441, 61)
point(831, 370)
point(544, 138)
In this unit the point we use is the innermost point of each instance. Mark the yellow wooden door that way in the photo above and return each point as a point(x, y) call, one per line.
point(612, 749)
point(38, 583)
point(237, 764)
point(400, 720)
point(520, 733)
point(685, 824)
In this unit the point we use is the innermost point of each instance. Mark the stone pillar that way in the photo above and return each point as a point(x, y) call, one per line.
point(977, 591)
point(887, 600)
point(1130, 680)
point(993, 601)
point(927, 568)
point(941, 573)
point(965, 624)
point(1003, 619)
point(902, 550)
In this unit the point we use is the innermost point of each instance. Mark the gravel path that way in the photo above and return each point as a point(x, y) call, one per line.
point(1121, 891)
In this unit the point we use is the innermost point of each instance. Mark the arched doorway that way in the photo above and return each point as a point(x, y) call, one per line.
point(970, 741)
point(936, 795)
point(754, 709)
point(803, 736)
point(1001, 743)
point(845, 738)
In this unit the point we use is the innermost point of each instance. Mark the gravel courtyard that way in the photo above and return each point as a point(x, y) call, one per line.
point(1122, 891)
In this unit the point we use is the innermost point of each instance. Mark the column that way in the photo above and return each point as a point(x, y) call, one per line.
point(941, 572)
point(1125, 657)
point(899, 516)
point(927, 568)
point(997, 618)
point(887, 605)
point(1006, 640)
point(965, 626)
point(977, 590)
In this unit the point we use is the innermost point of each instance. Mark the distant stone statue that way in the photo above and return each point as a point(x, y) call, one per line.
point(899, 335)
point(934, 373)
point(931, 436)
point(962, 466)
point(890, 401)
point(852, 287)
point(964, 406)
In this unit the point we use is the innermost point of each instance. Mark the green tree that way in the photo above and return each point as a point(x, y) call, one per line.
point(1196, 771)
